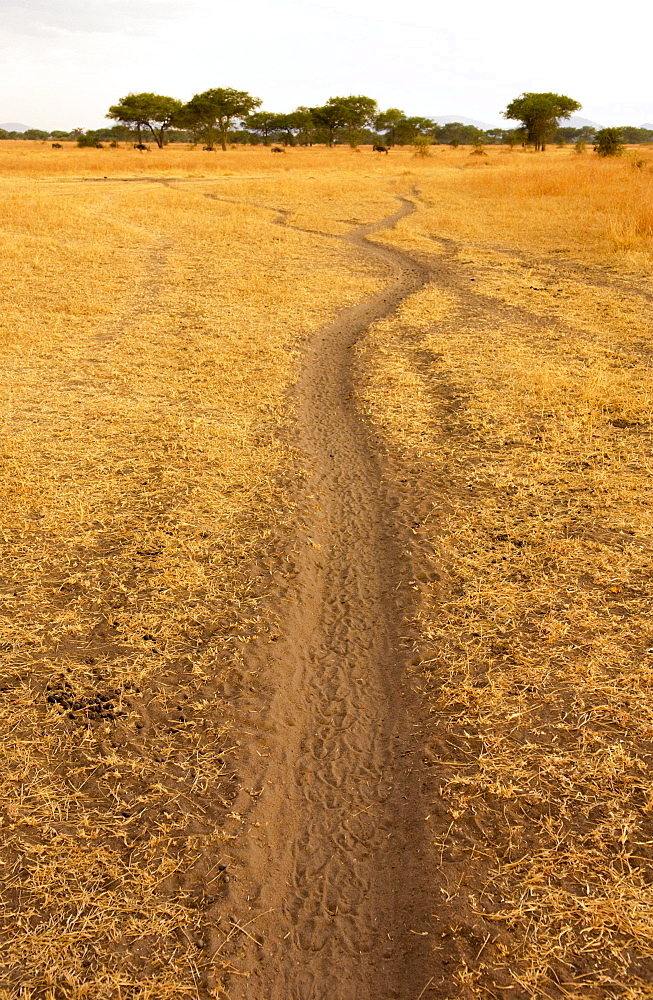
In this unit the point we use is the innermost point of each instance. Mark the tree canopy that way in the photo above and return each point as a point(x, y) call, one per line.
point(264, 123)
point(388, 122)
point(151, 111)
point(352, 113)
point(328, 119)
point(210, 115)
point(224, 115)
point(540, 115)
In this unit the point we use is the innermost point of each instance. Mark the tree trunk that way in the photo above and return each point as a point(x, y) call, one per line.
point(157, 138)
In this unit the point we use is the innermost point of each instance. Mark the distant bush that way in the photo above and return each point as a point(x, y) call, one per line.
point(422, 146)
point(609, 142)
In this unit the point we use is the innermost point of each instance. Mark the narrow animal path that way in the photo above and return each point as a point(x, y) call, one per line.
point(333, 887)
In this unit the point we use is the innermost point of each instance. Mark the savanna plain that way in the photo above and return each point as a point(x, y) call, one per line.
point(326, 648)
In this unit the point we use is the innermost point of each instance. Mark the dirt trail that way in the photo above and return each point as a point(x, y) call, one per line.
point(334, 871)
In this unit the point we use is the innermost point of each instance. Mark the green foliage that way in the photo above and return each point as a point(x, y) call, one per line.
point(422, 146)
point(210, 115)
point(301, 123)
point(387, 123)
point(35, 133)
point(349, 113)
point(580, 145)
point(146, 111)
point(96, 136)
point(456, 134)
point(514, 137)
point(410, 129)
point(634, 136)
point(263, 124)
point(540, 115)
point(609, 142)
point(328, 119)
point(568, 134)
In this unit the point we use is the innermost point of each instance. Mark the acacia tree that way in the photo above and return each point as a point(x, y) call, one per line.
point(210, 115)
point(388, 122)
point(151, 111)
point(352, 113)
point(263, 123)
point(329, 118)
point(410, 129)
point(358, 111)
point(540, 115)
point(286, 129)
point(301, 122)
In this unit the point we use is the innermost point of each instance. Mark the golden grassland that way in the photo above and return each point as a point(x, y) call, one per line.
point(515, 394)
point(149, 335)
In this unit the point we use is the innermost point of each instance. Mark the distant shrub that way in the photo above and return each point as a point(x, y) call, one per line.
point(580, 145)
point(422, 146)
point(609, 142)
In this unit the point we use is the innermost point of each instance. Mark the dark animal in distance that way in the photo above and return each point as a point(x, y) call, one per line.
point(141, 145)
point(57, 145)
point(278, 149)
point(209, 149)
point(380, 149)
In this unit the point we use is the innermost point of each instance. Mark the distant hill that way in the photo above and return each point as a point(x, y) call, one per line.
point(575, 122)
point(14, 127)
point(647, 125)
point(448, 119)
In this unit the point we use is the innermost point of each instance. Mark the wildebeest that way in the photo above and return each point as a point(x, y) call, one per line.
point(57, 145)
point(380, 149)
point(209, 149)
point(278, 149)
point(141, 145)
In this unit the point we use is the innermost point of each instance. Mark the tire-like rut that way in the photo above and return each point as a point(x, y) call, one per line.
point(335, 882)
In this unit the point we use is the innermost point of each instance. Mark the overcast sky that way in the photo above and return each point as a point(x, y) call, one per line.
point(63, 62)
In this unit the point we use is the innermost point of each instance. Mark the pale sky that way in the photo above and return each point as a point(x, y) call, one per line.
point(63, 62)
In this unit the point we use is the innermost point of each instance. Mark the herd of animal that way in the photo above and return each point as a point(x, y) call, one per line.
point(275, 149)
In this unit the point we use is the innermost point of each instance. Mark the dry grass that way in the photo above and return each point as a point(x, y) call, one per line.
point(582, 207)
point(149, 336)
point(514, 396)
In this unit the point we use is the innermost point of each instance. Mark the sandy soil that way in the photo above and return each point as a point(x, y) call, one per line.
point(334, 885)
